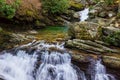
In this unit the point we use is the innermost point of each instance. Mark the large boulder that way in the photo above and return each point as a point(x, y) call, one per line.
point(84, 30)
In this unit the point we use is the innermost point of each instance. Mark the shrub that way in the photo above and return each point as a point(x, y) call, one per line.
point(8, 10)
point(108, 2)
point(55, 6)
point(113, 39)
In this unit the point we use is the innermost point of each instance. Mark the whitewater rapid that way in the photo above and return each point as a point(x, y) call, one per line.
point(46, 62)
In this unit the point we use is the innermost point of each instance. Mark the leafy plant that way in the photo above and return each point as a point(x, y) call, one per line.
point(113, 39)
point(8, 10)
point(55, 6)
point(108, 2)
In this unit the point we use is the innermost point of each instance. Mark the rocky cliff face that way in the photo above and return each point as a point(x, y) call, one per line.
point(97, 35)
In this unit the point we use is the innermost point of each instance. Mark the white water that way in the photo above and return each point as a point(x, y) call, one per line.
point(98, 72)
point(84, 14)
point(17, 67)
point(55, 66)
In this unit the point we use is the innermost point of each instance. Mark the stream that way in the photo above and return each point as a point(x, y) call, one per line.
point(47, 62)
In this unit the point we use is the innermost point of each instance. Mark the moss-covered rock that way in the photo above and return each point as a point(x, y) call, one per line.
point(85, 30)
point(77, 6)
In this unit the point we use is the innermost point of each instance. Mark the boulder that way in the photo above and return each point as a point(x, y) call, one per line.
point(84, 30)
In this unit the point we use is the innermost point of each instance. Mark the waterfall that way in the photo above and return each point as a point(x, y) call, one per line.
point(54, 65)
point(17, 67)
point(57, 66)
point(84, 14)
point(98, 71)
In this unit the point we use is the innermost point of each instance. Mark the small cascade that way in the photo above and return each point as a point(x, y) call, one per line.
point(84, 14)
point(98, 71)
point(54, 64)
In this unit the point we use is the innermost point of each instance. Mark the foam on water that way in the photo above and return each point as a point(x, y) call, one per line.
point(98, 71)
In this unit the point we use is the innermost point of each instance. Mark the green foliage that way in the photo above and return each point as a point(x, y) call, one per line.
point(109, 2)
point(55, 6)
point(8, 10)
point(113, 39)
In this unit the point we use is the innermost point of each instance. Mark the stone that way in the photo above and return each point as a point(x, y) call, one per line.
point(109, 30)
point(84, 30)
point(112, 61)
point(76, 15)
point(103, 14)
point(111, 14)
point(33, 32)
point(89, 46)
point(76, 5)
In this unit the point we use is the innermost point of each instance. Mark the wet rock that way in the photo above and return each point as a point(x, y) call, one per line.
point(84, 30)
point(111, 61)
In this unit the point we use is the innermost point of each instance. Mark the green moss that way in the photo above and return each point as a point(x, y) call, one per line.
point(8, 10)
point(1, 29)
point(55, 6)
point(29, 13)
point(76, 5)
point(118, 15)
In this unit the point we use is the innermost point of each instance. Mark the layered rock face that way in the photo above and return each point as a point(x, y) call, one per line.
point(97, 37)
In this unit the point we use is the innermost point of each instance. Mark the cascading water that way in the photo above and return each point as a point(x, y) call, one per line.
point(84, 14)
point(98, 71)
point(17, 67)
point(57, 66)
point(54, 65)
